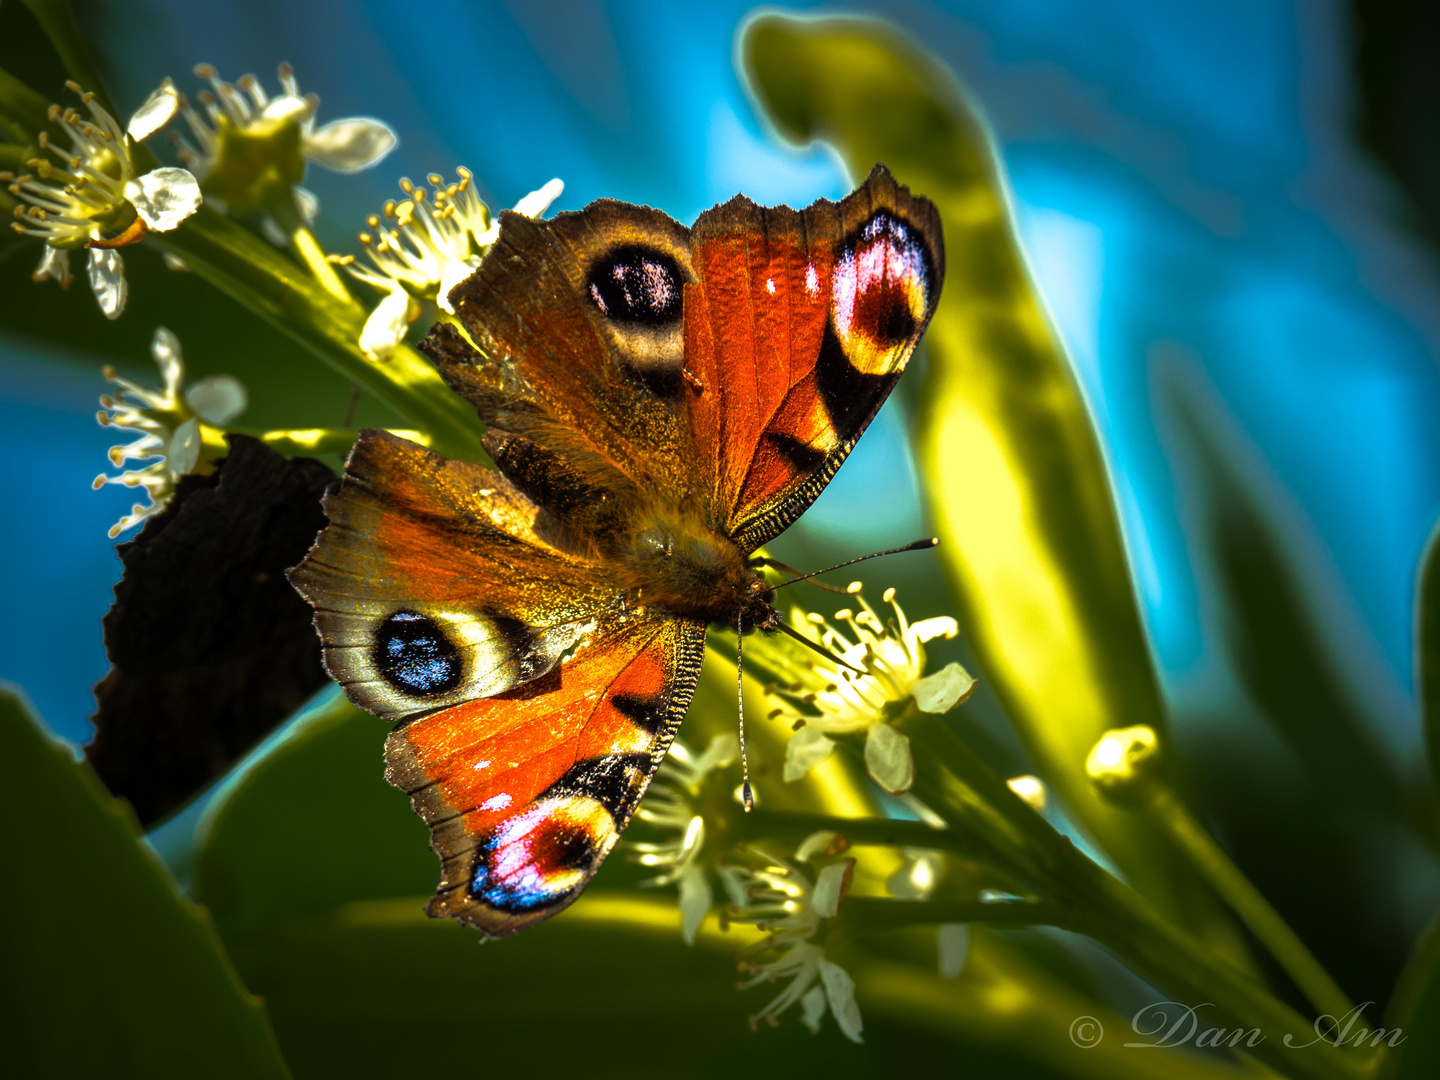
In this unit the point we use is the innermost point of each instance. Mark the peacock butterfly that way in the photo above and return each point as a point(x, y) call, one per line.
point(660, 402)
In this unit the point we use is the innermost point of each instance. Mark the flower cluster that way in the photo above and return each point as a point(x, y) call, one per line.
point(671, 804)
point(423, 246)
point(250, 149)
point(92, 194)
point(171, 426)
point(882, 670)
point(790, 906)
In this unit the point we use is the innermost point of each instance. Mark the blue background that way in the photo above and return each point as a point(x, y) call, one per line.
point(1191, 200)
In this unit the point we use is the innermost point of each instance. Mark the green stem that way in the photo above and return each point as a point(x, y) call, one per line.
point(1264, 921)
point(879, 913)
point(286, 212)
point(972, 798)
point(263, 280)
point(313, 255)
point(761, 824)
point(22, 106)
point(56, 19)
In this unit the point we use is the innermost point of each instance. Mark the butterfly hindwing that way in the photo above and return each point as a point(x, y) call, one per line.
point(526, 792)
point(431, 587)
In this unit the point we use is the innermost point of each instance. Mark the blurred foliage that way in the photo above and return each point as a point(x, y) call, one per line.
point(1005, 442)
point(1398, 100)
point(1290, 833)
point(97, 943)
point(315, 871)
point(1427, 651)
point(318, 874)
point(1415, 1009)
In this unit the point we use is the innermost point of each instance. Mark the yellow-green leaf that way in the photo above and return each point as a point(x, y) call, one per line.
point(1014, 472)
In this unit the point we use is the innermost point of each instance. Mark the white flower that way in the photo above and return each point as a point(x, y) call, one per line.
point(781, 899)
point(670, 804)
point(171, 426)
point(349, 145)
point(94, 196)
point(423, 246)
point(249, 149)
point(831, 699)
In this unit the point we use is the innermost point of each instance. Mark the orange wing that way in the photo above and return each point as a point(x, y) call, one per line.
point(626, 360)
point(431, 585)
point(527, 792)
point(796, 331)
point(625, 363)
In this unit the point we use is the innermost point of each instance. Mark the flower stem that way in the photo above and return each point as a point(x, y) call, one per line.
point(762, 824)
point(972, 799)
point(313, 255)
point(1263, 920)
point(880, 913)
point(263, 280)
point(56, 19)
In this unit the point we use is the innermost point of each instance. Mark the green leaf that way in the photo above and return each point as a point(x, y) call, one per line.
point(58, 22)
point(1017, 484)
point(1415, 1011)
point(318, 873)
point(311, 825)
point(109, 971)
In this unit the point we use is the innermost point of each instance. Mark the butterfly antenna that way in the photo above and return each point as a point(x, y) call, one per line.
point(918, 545)
point(746, 795)
point(786, 628)
point(776, 564)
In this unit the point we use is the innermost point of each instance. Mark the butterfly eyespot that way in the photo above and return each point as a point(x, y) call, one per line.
point(415, 655)
point(538, 856)
point(637, 285)
point(879, 291)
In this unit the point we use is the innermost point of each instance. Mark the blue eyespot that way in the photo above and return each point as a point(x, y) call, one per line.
point(415, 656)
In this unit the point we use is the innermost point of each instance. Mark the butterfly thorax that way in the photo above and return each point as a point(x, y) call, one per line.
point(675, 561)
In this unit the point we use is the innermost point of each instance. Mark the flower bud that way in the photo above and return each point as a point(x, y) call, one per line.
point(1125, 764)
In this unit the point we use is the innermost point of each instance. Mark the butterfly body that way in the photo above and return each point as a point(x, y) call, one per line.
point(659, 401)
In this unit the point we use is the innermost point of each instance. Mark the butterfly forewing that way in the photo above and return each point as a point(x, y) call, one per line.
point(431, 587)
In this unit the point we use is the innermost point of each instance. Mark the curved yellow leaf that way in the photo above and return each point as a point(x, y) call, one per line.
point(1014, 473)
